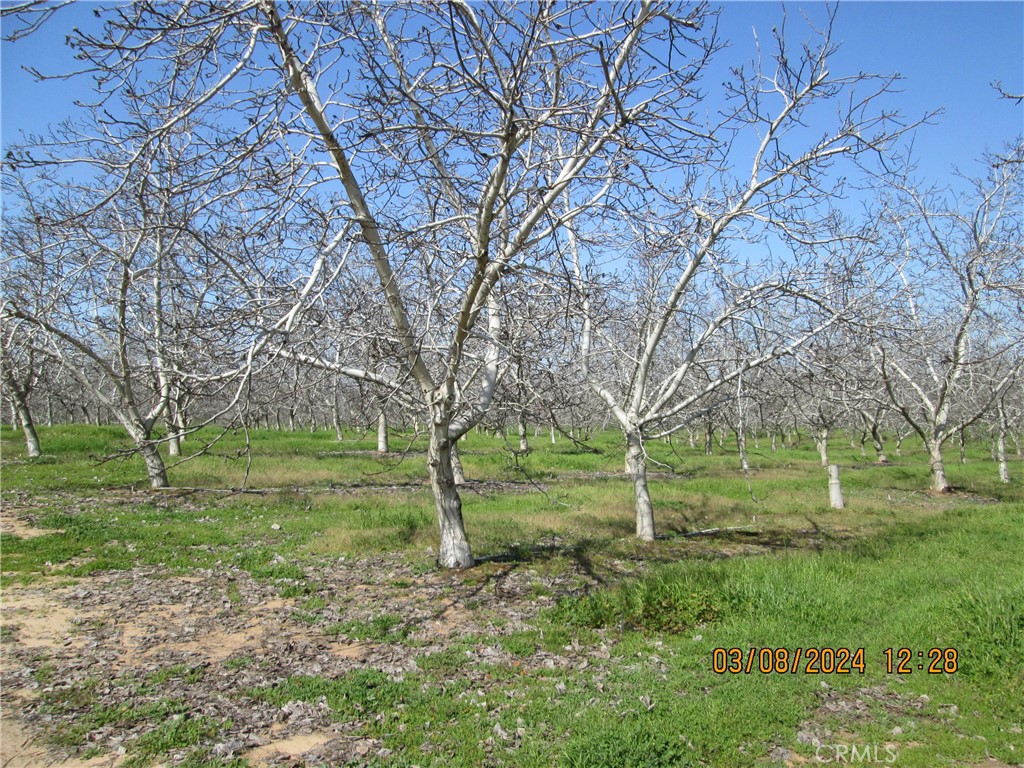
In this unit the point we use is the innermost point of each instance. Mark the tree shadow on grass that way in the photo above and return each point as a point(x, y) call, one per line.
point(607, 559)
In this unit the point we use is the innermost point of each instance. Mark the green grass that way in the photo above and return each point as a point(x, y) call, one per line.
point(955, 581)
point(620, 676)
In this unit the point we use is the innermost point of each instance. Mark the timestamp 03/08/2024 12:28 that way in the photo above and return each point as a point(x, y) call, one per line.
point(827, 661)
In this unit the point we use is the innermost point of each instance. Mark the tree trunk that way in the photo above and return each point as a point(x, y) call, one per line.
point(961, 435)
point(709, 437)
point(821, 443)
point(937, 467)
point(741, 446)
point(636, 461)
point(524, 443)
point(382, 433)
point(29, 428)
point(835, 489)
point(154, 465)
point(457, 471)
point(155, 469)
point(876, 439)
point(174, 431)
point(1004, 469)
point(454, 549)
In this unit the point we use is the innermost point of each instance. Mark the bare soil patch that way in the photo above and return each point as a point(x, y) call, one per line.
point(125, 639)
point(11, 525)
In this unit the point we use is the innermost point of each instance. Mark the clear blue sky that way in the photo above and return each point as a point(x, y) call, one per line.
point(949, 53)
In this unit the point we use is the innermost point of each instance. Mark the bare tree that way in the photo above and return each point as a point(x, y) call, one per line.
point(474, 124)
point(956, 263)
point(19, 366)
point(691, 289)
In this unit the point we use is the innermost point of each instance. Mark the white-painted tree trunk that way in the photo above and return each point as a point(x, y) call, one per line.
point(741, 446)
point(835, 488)
point(937, 467)
point(382, 433)
point(821, 443)
point(28, 428)
point(636, 461)
point(1004, 468)
point(457, 471)
point(524, 443)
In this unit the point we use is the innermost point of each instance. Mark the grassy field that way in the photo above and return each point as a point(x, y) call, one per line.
point(580, 646)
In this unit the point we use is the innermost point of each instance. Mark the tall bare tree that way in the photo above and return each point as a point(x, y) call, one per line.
point(694, 284)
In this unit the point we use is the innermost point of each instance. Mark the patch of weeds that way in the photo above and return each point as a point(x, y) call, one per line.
point(385, 627)
point(656, 603)
point(296, 590)
point(358, 692)
point(178, 732)
point(305, 617)
point(552, 639)
point(267, 566)
point(233, 593)
point(183, 672)
point(203, 758)
point(45, 673)
point(313, 604)
point(239, 662)
point(77, 713)
point(641, 742)
point(444, 663)
point(991, 625)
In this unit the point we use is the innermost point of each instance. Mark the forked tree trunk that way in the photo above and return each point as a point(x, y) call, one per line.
point(636, 461)
point(20, 412)
point(454, 551)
